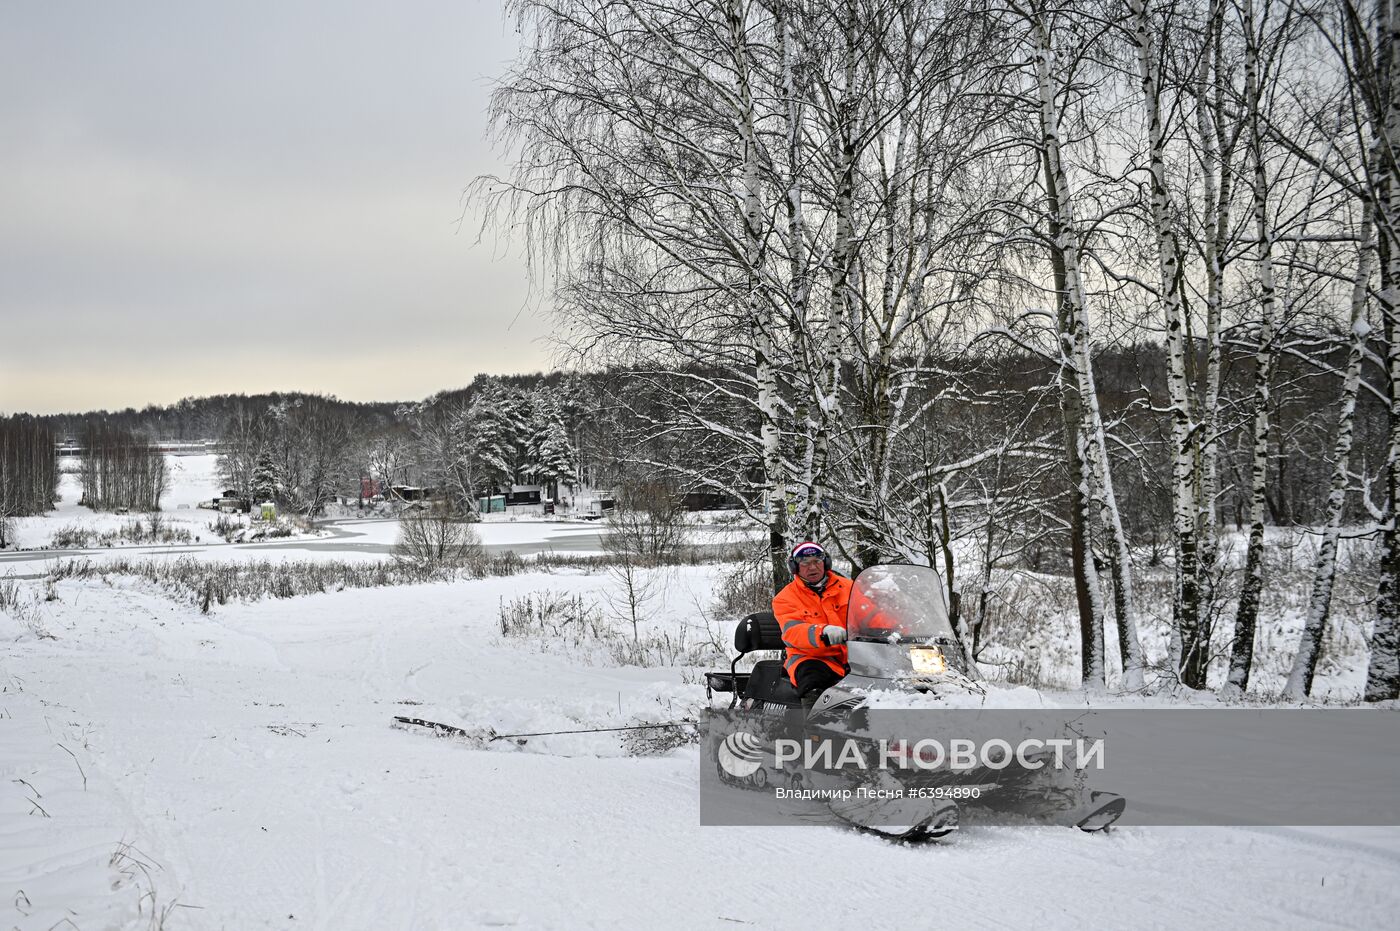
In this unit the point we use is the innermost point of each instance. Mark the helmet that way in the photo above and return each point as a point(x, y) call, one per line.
point(808, 548)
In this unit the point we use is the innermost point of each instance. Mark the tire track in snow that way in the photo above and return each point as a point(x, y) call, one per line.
point(1342, 845)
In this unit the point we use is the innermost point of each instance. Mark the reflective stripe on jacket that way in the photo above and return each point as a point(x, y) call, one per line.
point(802, 614)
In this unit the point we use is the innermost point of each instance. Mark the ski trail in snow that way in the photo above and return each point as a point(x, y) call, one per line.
point(408, 919)
point(332, 912)
point(1320, 838)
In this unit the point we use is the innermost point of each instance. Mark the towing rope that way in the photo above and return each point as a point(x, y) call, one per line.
point(462, 732)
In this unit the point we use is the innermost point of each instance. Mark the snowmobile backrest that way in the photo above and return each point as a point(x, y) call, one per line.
point(758, 632)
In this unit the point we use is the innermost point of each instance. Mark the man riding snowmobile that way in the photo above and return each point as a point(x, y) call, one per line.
point(811, 612)
point(878, 665)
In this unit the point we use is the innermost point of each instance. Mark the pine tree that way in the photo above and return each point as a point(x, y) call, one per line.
point(266, 483)
point(554, 458)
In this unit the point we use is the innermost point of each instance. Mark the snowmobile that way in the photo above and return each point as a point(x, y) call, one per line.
point(902, 652)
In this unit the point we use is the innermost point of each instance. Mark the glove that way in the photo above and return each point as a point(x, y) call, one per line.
point(832, 635)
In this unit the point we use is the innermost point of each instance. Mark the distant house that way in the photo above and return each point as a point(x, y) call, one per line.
point(594, 508)
point(523, 495)
point(708, 501)
point(228, 502)
point(525, 499)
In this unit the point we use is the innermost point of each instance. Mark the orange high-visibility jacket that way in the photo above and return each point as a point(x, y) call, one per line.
point(802, 614)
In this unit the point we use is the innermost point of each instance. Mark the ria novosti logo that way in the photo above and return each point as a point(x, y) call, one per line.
point(741, 754)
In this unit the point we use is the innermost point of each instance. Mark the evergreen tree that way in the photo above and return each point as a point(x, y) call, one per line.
point(266, 483)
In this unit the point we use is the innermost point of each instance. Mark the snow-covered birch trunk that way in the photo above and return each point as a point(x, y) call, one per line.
point(1076, 347)
point(1300, 677)
point(775, 485)
point(1216, 187)
point(884, 405)
point(1183, 434)
point(815, 443)
point(945, 547)
point(1087, 589)
point(832, 348)
point(1089, 593)
point(1247, 612)
point(1383, 670)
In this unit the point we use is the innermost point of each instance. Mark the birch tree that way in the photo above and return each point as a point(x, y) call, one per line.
point(1075, 335)
point(1366, 65)
point(642, 169)
point(243, 440)
point(1383, 672)
point(28, 468)
point(1255, 29)
point(1218, 134)
point(120, 471)
point(1193, 632)
point(1300, 677)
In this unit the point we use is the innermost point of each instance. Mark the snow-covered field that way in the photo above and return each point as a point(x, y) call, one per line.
point(163, 768)
point(352, 538)
point(191, 479)
point(183, 523)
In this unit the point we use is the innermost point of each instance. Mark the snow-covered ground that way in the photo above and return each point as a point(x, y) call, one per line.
point(238, 771)
point(385, 531)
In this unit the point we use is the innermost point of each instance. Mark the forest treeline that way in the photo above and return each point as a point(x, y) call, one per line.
point(119, 470)
point(599, 429)
point(197, 418)
point(595, 415)
point(28, 471)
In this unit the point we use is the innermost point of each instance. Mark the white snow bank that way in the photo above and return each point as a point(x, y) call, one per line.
point(71, 844)
point(250, 753)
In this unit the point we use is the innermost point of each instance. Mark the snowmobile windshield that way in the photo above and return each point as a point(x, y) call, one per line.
point(894, 604)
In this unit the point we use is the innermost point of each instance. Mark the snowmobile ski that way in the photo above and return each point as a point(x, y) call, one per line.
point(942, 821)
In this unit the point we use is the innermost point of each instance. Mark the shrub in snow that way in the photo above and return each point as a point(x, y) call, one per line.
point(745, 589)
point(436, 538)
point(555, 620)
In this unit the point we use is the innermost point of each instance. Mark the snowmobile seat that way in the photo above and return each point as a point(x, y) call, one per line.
point(769, 683)
point(757, 632)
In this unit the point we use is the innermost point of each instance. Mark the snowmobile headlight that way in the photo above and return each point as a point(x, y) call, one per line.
point(928, 661)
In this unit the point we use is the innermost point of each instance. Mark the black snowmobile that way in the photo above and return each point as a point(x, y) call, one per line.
point(902, 652)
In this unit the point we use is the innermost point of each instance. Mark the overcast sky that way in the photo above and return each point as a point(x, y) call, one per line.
point(207, 197)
